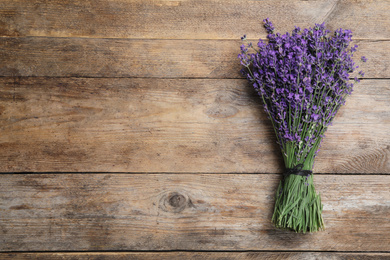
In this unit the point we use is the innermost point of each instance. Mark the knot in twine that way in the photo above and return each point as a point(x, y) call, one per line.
point(297, 170)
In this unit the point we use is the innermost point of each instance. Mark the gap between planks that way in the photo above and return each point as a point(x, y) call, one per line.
point(190, 173)
point(171, 39)
point(280, 255)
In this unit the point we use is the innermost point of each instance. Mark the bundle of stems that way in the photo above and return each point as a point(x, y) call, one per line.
point(302, 79)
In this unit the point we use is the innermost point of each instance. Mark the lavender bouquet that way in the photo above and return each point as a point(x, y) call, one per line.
point(302, 79)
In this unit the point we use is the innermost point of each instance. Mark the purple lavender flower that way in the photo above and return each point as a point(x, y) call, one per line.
point(357, 80)
point(268, 26)
point(302, 79)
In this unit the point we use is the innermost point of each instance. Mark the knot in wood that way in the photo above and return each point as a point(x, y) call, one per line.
point(174, 202)
point(177, 200)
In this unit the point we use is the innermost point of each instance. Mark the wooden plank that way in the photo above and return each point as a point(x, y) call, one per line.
point(172, 125)
point(78, 212)
point(187, 19)
point(198, 255)
point(63, 57)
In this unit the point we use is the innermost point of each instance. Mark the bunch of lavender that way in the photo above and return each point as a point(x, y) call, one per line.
point(302, 79)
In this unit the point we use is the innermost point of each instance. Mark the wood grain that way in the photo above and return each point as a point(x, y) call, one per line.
point(141, 87)
point(64, 57)
point(187, 19)
point(172, 125)
point(47, 212)
point(199, 256)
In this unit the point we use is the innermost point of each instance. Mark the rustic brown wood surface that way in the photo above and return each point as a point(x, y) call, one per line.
point(172, 125)
point(188, 19)
point(78, 212)
point(149, 93)
point(78, 57)
point(199, 256)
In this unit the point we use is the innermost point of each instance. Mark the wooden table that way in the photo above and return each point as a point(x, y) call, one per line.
point(127, 132)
